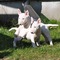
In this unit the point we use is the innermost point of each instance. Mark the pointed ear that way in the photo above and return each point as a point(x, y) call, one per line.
point(19, 11)
point(26, 12)
point(32, 20)
point(39, 20)
point(23, 4)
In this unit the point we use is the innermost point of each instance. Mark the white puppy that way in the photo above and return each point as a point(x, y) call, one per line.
point(45, 31)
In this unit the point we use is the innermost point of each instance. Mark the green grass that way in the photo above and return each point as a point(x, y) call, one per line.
point(25, 51)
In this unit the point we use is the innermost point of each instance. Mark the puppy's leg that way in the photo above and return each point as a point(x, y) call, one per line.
point(46, 34)
point(38, 42)
point(48, 37)
point(33, 42)
point(15, 40)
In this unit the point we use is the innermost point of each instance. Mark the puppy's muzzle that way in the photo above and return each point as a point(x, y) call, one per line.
point(32, 32)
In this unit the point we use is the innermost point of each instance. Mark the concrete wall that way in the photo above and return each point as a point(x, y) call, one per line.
point(50, 9)
point(10, 7)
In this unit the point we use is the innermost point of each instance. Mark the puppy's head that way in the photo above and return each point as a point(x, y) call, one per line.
point(35, 26)
point(22, 17)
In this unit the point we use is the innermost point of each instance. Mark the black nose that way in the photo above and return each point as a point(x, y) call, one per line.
point(32, 32)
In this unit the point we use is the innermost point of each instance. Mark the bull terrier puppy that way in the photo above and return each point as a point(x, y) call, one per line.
point(45, 31)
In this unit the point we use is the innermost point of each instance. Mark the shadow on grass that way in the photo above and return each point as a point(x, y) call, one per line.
point(56, 40)
point(24, 44)
point(4, 54)
point(5, 42)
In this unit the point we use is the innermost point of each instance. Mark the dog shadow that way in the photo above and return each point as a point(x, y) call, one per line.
point(24, 43)
point(3, 54)
point(56, 40)
point(5, 44)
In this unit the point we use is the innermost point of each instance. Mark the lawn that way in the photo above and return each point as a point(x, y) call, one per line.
point(25, 51)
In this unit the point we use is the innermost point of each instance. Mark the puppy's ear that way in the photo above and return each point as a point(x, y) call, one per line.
point(19, 11)
point(39, 20)
point(32, 20)
point(23, 4)
point(26, 12)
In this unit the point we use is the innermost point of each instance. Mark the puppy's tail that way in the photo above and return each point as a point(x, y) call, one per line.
point(15, 28)
point(51, 25)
